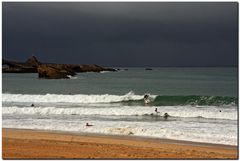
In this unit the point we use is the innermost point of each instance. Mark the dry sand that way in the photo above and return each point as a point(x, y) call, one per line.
point(32, 144)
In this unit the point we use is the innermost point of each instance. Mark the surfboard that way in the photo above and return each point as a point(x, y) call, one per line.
point(146, 101)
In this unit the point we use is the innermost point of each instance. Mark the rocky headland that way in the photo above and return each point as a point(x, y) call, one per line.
point(49, 70)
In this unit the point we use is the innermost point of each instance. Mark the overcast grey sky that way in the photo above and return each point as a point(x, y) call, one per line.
point(122, 33)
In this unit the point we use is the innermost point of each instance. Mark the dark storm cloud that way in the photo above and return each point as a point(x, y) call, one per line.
point(123, 34)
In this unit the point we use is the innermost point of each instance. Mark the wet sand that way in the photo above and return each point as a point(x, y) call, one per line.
point(36, 144)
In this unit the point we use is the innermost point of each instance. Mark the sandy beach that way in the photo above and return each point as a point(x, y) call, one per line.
point(33, 144)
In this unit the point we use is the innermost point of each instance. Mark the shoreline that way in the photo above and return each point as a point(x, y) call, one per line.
point(129, 137)
point(46, 144)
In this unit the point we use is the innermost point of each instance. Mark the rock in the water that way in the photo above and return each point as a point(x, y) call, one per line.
point(148, 68)
point(93, 68)
point(52, 72)
point(17, 67)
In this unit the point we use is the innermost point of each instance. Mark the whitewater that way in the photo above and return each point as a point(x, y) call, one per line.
point(110, 116)
point(108, 105)
point(202, 110)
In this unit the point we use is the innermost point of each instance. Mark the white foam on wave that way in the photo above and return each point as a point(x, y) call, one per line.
point(191, 131)
point(72, 77)
point(213, 112)
point(229, 113)
point(78, 98)
point(104, 71)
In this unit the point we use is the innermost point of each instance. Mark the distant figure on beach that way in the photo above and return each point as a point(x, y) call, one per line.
point(32, 105)
point(156, 110)
point(166, 115)
point(220, 111)
point(146, 99)
point(88, 124)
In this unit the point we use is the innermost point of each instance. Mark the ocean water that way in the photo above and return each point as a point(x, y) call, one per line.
point(202, 103)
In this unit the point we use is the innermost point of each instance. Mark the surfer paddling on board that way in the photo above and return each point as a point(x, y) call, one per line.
point(146, 99)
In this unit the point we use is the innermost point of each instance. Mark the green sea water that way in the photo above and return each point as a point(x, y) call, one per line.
point(159, 81)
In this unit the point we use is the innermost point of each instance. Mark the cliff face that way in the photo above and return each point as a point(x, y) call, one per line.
point(49, 71)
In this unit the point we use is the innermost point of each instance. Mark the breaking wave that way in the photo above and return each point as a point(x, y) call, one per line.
point(187, 100)
point(127, 99)
point(174, 111)
point(78, 98)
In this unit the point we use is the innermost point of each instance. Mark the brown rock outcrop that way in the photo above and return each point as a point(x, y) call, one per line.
point(32, 62)
point(49, 71)
point(17, 67)
point(52, 72)
point(91, 68)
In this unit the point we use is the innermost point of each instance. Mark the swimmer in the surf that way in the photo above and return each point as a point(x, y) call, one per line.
point(146, 96)
point(166, 115)
point(88, 124)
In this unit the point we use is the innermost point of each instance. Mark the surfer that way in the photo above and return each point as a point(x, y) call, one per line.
point(156, 110)
point(146, 99)
point(88, 124)
point(32, 105)
point(166, 115)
